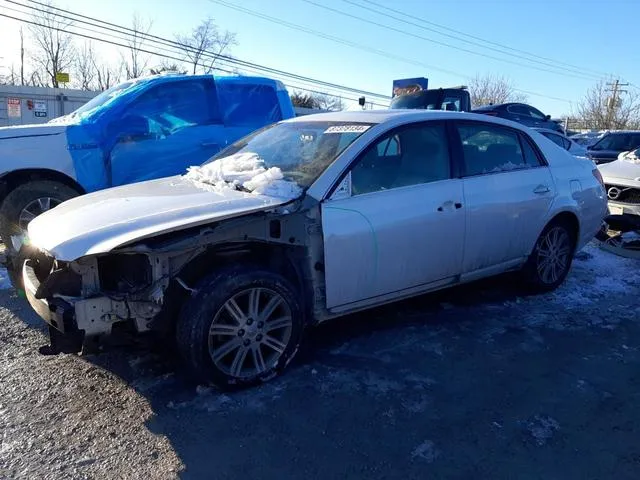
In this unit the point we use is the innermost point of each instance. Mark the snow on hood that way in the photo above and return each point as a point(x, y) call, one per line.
point(624, 172)
point(244, 170)
point(17, 131)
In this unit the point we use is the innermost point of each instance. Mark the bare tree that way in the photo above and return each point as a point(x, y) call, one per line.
point(135, 61)
point(53, 47)
point(203, 46)
point(85, 71)
point(320, 101)
point(303, 100)
point(600, 110)
point(166, 66)
point(106, 76)
point(328, 102)
point(493, 89)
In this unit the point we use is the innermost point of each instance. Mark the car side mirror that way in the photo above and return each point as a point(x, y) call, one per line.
point(547, 117)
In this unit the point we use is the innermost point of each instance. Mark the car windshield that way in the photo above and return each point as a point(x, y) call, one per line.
point(273, 159)
point(102, 98)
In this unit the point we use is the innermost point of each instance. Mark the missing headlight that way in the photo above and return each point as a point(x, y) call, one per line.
point(124, 273)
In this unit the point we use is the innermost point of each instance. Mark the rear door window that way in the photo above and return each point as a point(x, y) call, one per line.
point(557, 139)
point(519, 110)
point(491, 149)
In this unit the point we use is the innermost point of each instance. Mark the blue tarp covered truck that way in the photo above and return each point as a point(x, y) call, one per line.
point(141, 129)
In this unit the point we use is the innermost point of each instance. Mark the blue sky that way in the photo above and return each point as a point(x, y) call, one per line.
point(589, 35)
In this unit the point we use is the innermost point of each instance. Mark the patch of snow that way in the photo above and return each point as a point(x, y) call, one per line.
point(246, 170)
point(542, 428)
point(596, 274)
point(5, 283)
point(427, 451)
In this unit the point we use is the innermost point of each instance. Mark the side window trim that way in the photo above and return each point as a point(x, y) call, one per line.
point(391, 132)
point(522, 136)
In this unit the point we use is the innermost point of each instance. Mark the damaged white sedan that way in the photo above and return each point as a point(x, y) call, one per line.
point(303, 221)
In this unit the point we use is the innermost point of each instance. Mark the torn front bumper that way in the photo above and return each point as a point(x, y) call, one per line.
point(57, 313)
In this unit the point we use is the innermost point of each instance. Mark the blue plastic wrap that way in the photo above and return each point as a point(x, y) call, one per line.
point(158, 126)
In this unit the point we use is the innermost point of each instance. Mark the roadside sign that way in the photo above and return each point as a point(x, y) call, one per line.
point(13, 108)
point(404, 86)
point(62, 77)
point(40, 109)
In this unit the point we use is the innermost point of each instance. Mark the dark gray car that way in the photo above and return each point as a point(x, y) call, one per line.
point(521, 113)
point(612, 144)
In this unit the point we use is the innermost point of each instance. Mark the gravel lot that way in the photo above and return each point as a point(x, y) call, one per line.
point(476, 382)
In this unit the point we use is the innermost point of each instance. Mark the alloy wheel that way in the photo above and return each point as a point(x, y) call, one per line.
point(35, 208)
point(250, 332)
point(553, 255)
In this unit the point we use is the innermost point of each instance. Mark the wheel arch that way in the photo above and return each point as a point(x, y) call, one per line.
point(15, 178)
point(282, 259)
point(569, 218)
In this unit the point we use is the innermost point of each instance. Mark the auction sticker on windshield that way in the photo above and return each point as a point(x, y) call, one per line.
point(347, 129)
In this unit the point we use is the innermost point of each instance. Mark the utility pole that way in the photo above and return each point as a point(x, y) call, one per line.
point(613, 102)
point(21, 57)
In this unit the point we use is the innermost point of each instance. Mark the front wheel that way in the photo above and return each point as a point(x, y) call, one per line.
point(550, 261)
point(242, 327)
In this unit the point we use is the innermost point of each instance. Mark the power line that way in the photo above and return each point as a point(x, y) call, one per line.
point(358, 46)
point(173, 44)
point(443, 27)
point(162, 55)
point(448, 45)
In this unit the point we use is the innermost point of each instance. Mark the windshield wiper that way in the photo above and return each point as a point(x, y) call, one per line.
point(242, 188)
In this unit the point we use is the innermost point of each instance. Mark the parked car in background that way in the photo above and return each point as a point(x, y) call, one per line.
point(612, 144)
point(521, 113)
point(141, 129)
point(563, 141)
point(303, 221)
point(588, 138)
point(622, 182)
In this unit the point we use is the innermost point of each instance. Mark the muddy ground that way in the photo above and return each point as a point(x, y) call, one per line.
point(477, 382)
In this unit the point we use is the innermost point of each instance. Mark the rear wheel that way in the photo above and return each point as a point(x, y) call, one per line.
point(550, 261)
point(242, 327)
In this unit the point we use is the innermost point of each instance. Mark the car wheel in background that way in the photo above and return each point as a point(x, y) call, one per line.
point(550, 261)
point(26, 202)
point(243, 326)
point(19, 207)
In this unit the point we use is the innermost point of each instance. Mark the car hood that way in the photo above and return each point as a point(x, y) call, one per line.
point(101, 221)
point(22, 131)
point(621, 172)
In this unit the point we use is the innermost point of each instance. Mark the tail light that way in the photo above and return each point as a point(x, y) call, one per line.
point(598, 175)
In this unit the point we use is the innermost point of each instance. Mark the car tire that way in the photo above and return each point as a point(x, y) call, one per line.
point(222, 343)
point(550, 262)
point(26, 200)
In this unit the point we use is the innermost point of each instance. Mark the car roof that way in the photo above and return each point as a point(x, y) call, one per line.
point(402, 116)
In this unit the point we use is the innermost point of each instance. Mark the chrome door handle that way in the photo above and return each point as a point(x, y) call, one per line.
point(456, 205)
point(540, 189)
